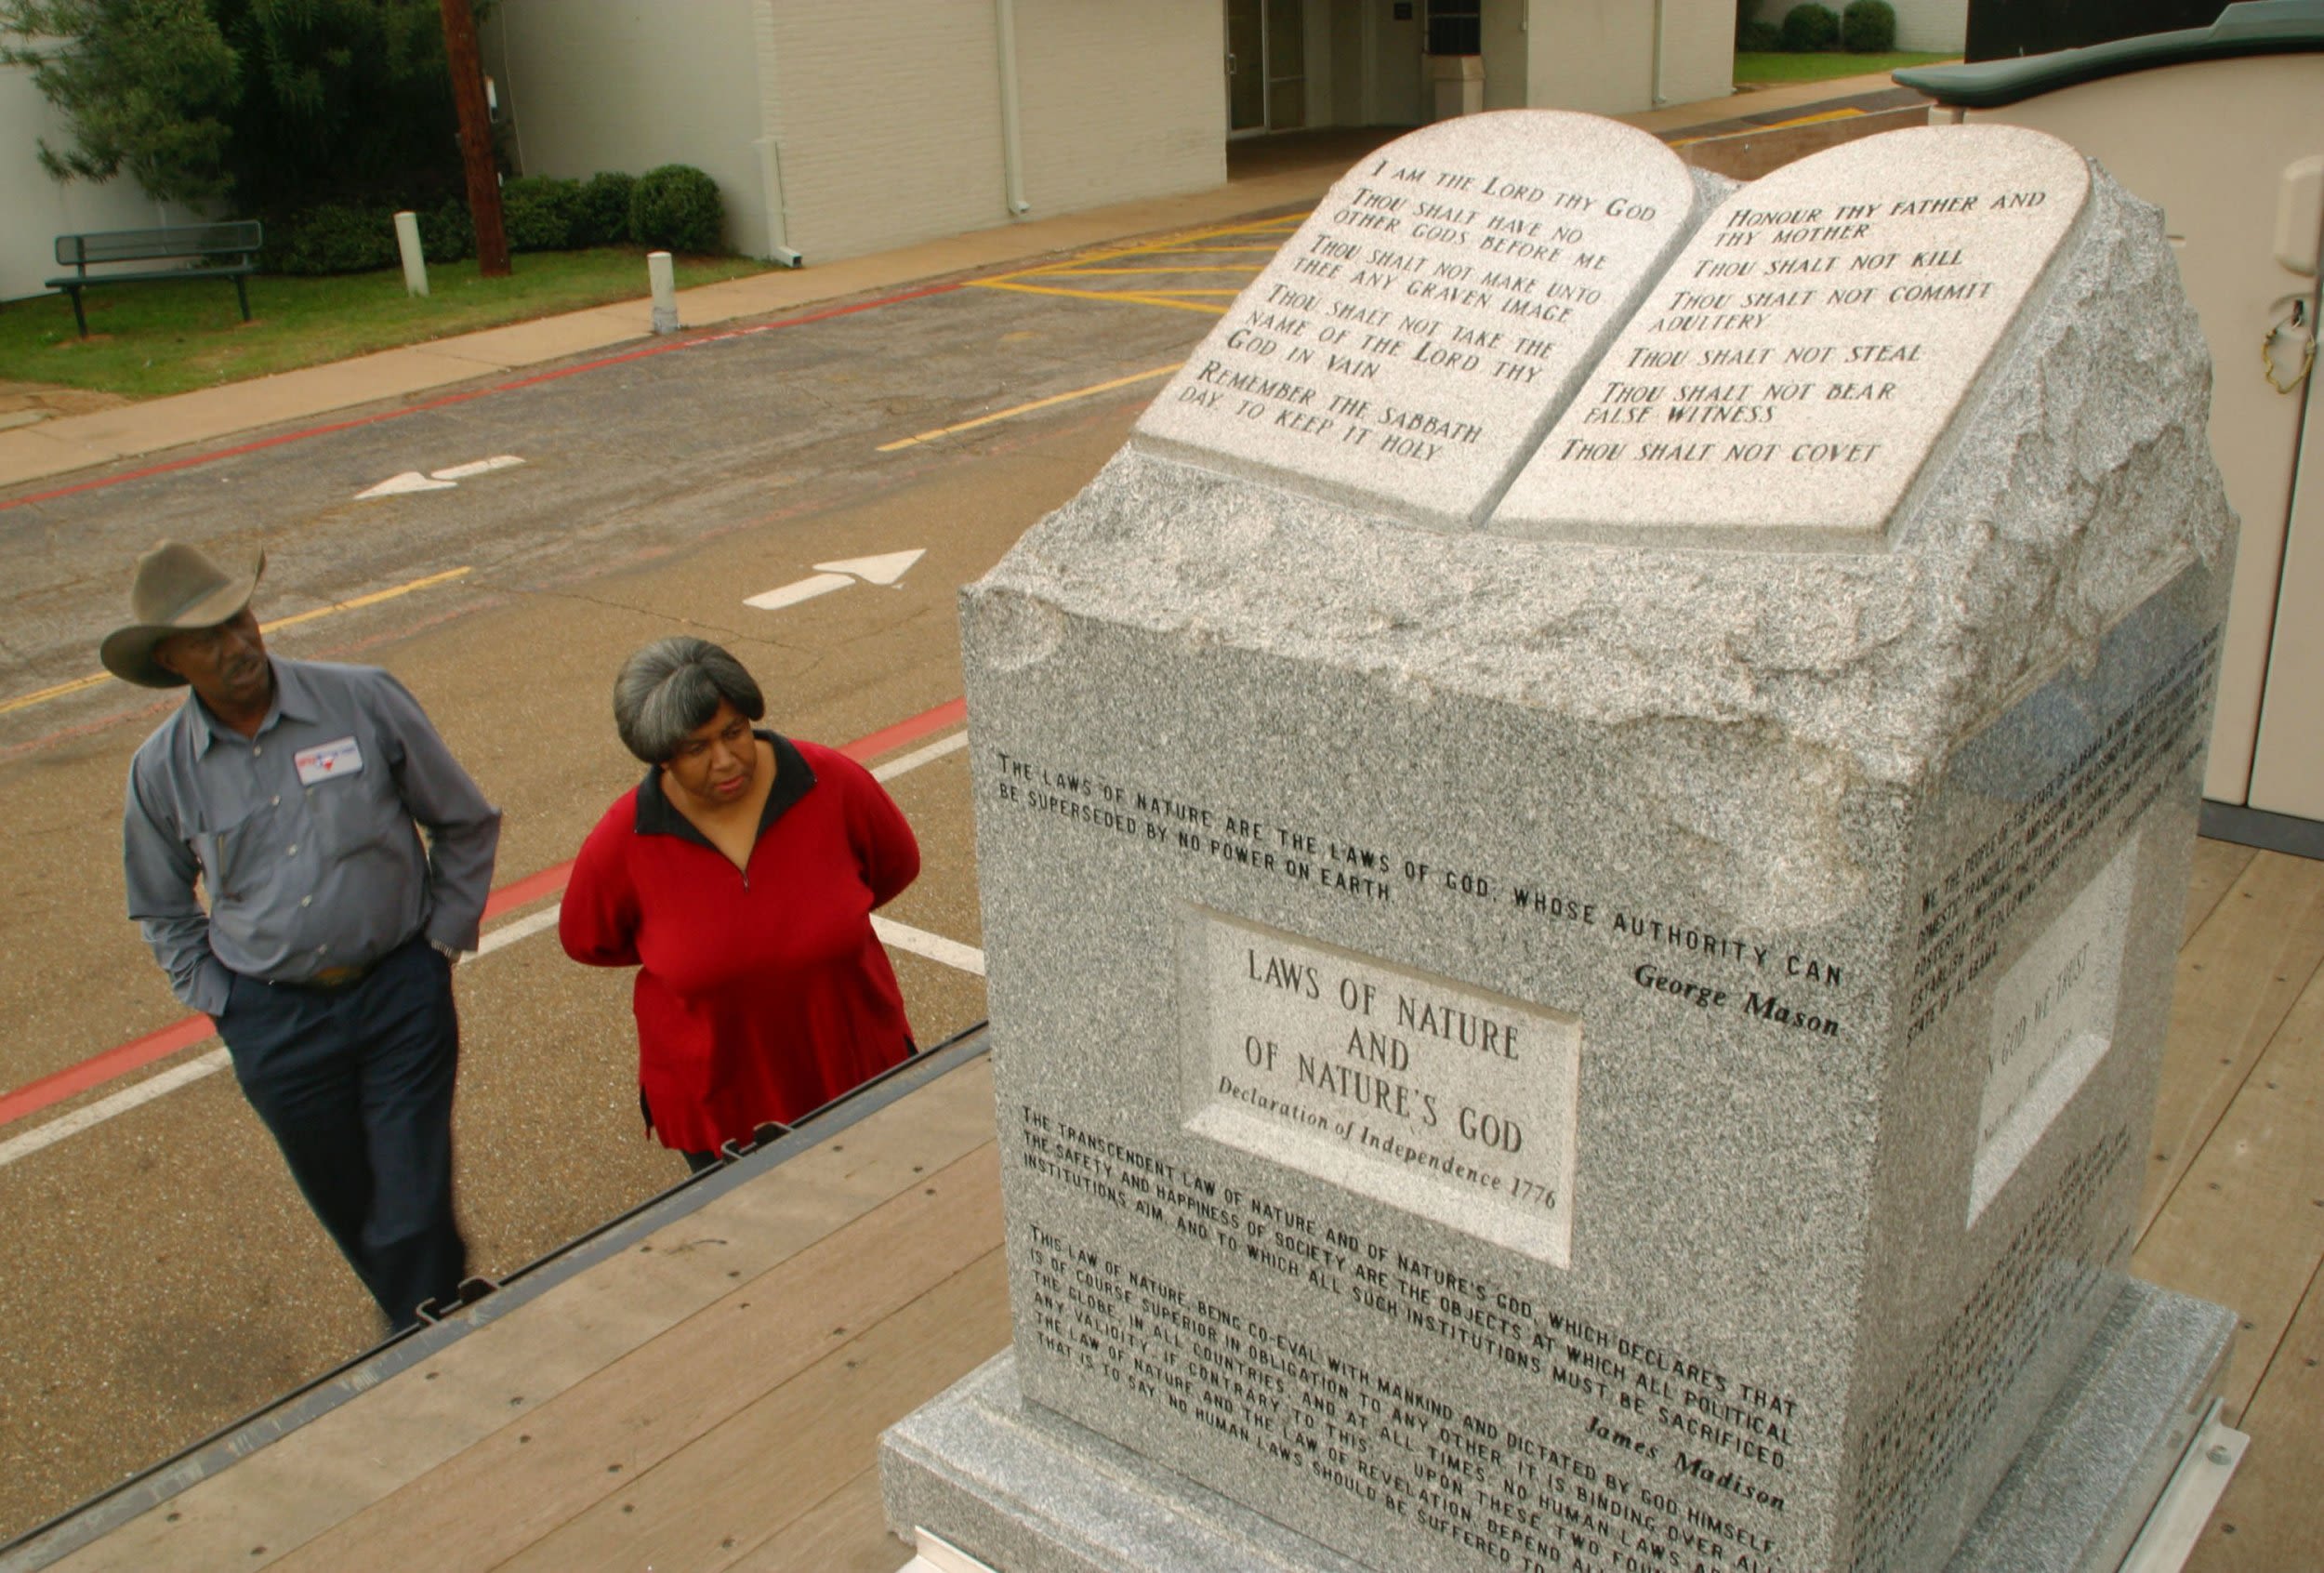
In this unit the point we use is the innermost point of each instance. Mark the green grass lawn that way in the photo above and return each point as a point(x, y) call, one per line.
point(154, 339)
point(1752, 68)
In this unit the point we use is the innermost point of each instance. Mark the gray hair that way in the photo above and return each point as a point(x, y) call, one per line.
point(671, 687)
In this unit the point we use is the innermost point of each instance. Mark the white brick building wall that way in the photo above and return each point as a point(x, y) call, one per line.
point(842, 127)
point(1921, 24)
point(1934, 24)
point(595, 85)
point(836, 127)
point(1121, 101)
point(889, 121)
point(1599, 55)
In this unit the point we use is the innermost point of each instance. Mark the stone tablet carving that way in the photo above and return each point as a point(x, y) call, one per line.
point(1793, 372)
point(1405, 347)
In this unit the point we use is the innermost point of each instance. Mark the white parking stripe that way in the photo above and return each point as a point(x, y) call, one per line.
point(508, 934)
point(919, 757)
point(128, 1098)
point(919, 942)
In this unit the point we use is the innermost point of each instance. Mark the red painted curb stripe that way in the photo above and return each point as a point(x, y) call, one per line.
point(450, 399)
point(37, 1095)
point(520, 893)
point(33, 1096)
point(888, 739)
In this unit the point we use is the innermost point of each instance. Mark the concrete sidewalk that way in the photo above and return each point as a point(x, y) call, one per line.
point(214, 417)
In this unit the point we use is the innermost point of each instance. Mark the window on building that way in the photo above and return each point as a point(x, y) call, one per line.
point(1454, 27)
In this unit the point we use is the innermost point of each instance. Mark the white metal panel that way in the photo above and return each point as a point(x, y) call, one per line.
point(2288, 764)
point(2208, 141)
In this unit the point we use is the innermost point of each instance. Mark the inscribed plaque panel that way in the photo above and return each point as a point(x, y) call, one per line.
point(2052, 1021)
point(1444, 1100)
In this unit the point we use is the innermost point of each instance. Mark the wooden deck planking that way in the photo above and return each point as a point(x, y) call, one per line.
point(846, 1533)
point(2272, 1518)
point(751, 1477)
point(2216, 867)
point(2251, 957)
point(2243, 1228)
point(495, 1498)
point(340, 1465)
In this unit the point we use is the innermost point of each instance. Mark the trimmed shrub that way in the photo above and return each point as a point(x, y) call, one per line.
point(539, 212)
point(602, 212)
point(329, 238)
point(677, 207)
point(1809, 29)
point(447, 234)
point(1868, 27)
point(1757, 38)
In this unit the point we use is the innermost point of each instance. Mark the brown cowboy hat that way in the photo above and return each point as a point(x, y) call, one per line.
point(177, 588)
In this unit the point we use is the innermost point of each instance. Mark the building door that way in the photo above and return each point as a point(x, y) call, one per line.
point(1287, 64)
point(1246, 67)
point(1267, 66)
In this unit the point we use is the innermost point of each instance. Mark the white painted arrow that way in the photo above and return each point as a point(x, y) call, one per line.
point(882, 570)
point(478, 467)
point(792, 594)
point(875, 570)
point(410, 481)
point(441, 480)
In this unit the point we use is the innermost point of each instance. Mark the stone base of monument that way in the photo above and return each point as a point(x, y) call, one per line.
point(1023, 1490)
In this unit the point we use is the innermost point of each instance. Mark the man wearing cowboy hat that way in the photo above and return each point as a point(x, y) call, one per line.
point(292, 792)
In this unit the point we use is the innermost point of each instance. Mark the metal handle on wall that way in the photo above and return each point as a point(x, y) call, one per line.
point(2298, 319)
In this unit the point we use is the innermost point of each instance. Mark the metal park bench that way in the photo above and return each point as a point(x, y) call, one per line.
point(221, 251)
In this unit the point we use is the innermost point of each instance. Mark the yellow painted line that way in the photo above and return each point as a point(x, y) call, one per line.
point(1189, 237)
point(1010, 282)
point(57, 693)
point(1773, 125)
point(1133, 298)
point(1165, 268)
point(1029, 409)
point(374, 598)
point(77, 684)
point(1161, 297)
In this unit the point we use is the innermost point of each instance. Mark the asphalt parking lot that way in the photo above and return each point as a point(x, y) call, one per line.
point(520, 539)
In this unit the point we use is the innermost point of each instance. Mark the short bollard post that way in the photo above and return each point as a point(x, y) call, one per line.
point(657, 270)
point(407, 243)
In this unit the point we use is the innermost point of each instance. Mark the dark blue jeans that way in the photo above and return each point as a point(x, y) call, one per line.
point(355, 1084)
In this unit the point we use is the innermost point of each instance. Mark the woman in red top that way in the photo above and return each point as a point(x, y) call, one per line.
point(739, 877)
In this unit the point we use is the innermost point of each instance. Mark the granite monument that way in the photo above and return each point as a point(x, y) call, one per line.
point(1581, 844)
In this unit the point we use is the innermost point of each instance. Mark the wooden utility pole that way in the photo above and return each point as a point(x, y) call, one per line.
point(476, 139)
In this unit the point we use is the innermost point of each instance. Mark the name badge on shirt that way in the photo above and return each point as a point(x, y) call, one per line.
point(327, 762)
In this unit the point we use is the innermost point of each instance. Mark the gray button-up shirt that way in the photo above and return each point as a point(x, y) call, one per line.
point(303, 836)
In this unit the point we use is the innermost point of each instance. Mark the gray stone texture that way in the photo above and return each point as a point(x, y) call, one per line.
point(1782, 834)
point(1023, 1489)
